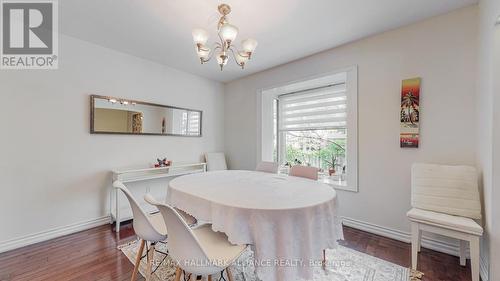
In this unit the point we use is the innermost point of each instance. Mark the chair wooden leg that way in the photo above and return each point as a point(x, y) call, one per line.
point(414, 245)
point(209, 278)
point(229, 276)
point(419, 240)
point(463, 259)
point(178, 273)
point(138, 260)
point(150, 261)
point(474, 257)
point(323, 262)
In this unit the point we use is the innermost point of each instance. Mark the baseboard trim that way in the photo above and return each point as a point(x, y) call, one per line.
point(51, 234)
point(402, 236)
point(430, 243)
point(377, 229)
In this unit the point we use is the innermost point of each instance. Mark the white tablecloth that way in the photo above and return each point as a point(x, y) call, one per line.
point(287, 220)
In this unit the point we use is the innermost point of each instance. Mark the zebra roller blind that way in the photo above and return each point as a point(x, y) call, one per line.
point(314, 109)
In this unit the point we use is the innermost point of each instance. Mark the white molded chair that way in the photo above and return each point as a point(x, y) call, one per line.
point(216, 161)
point(267, 167)
point(445, 201)
point(149, 228)
point(304, 172)
point(210, 249)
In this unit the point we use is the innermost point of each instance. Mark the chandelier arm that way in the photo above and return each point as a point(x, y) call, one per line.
point(234, 57)
point(225, 45)
point(242, 54)
point(211, 53)
point(245, 54)
point(200, 48)
point(232, 51)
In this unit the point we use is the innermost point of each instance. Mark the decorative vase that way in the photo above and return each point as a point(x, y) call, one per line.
point(331, 171)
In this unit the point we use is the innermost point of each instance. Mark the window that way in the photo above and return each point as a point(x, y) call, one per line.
point(314, 123)
point(190, 124)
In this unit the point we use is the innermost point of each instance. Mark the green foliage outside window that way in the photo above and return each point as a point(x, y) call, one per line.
point(314, 149)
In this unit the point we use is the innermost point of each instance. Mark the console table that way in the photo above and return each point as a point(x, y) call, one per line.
point(128, 175)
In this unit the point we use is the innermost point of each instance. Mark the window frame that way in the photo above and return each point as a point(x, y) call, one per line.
point(270, 94)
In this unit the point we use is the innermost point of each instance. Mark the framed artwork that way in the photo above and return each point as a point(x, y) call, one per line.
point(410, 113)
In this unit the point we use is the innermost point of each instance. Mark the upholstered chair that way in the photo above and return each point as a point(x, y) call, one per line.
point(216, 161)
point(445, 201)
point(304, 172)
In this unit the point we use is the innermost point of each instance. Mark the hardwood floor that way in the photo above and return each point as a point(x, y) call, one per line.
point(93, 255)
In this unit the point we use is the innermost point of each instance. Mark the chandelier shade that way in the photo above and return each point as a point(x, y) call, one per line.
point(249, 45)
point(227, 34)
point(200, 36)
point(204, 54)
point(241, 58)
point(222, 59)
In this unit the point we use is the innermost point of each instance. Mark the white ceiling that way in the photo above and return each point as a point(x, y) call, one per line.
point(160, 30)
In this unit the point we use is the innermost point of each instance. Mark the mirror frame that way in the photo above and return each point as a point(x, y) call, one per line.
point(92, 105)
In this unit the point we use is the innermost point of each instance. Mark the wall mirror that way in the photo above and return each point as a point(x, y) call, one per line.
point(110, 115)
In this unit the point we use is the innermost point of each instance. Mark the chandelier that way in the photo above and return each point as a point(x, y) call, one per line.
point(221, 50)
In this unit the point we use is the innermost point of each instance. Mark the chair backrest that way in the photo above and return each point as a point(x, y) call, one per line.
point(445, 189)
point(143, 227)
point(183, 245)
point(268, 167)
point(216, 161)
point(304, 172)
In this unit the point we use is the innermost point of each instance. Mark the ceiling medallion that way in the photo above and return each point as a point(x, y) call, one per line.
point(221, 50)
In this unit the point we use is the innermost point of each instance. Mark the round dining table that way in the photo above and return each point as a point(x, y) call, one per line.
point(288, 221)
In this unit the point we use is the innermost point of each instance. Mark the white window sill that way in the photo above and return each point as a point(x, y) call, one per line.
point(336, 182)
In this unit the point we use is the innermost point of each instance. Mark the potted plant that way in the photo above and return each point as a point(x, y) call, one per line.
point(331, 164)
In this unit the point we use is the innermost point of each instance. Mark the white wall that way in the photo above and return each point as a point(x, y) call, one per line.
point(441, 50)
point(488, 124)
point(53, 172)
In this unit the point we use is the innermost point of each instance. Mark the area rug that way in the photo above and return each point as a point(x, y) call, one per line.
point(344, 264)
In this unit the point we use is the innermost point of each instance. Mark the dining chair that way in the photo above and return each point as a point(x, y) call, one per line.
point(445, 201)
point(216, 161)
point(304, 172)
point(212, 250)
point(267, 167)
point(149, 228)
